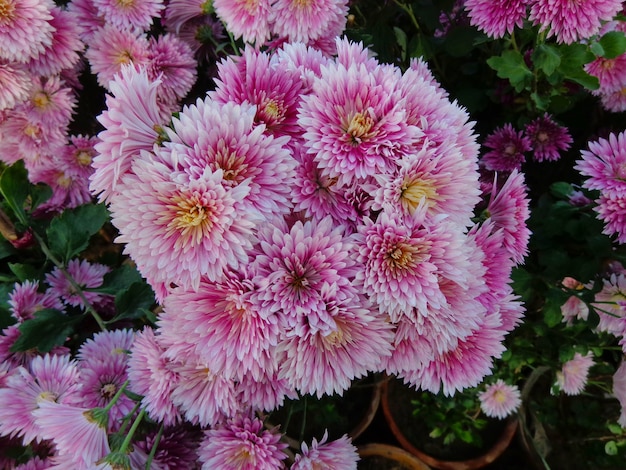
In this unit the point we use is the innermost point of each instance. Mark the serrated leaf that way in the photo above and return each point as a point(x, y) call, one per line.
point(613, 44)
point(48, 328)
point(547, 58)
point(511, 65)
point(14, 186)
point(118, 280)
point(69, 233)
point(610, 448)
point(573, 58)
point(132, 302)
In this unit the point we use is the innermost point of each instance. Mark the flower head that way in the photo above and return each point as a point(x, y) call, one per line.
point(547, 138)
point(305, 21)
point(338, 454)
point(86, 274)
point(507, 149)
point(25, 28)
point(572, 377)
point(499, 399)
point(604, 165)
point(129, 14)
point(496, 18)
point(247, 19)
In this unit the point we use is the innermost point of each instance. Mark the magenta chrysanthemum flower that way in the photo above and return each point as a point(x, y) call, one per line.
point(80, 439)
point(508, 208)
point(355, 123)
point(48, 378)
point(242, 336)
point(87, 17)
point(547, 138)
point(306, 21)
point(272, 87)
point(337, 454)
point(87, 275)
point(179, 12)
point(325, 362)
point(176, 448)
point(63, 52)
point(572, 377)
point(132, 122)
point(570, 21)
point(611, 73)
point(171, 61)
point(215, 136)
point(427, 185)
point(112, 48)
point(196, 227)
point(500, 399)
point(247, 19)
point(614, 101)
point(79, 153)
point(151, 374)
point(295, 267)
point(14, 85)
point(129, 14)
point(51, 102)
point(242, 444)
point(25, 29)
point(507, 149)
point(496, 18)
point(611, 210)
point(604, 165)
point(25, 300)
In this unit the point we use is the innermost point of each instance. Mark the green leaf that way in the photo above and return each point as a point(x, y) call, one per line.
point(610, 448)
point(70, 232)
point(561, 189)
point(615, 428)
point(24, 272)
point(401, 39)
point(435, 433)
point(48, 328)
point(511, 65)
point(460, 41)
point(547, 58)
point(14, 186)
point(118, 280)
point(573, 58)
point(134, 301)
point(613, 44)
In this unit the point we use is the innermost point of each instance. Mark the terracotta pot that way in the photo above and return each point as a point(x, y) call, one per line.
point(470, 464)
point(394, 455)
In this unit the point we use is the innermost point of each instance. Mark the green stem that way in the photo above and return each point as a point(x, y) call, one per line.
point(157, 439)
point(409, 11)
point(126, 420)
point(131, 432)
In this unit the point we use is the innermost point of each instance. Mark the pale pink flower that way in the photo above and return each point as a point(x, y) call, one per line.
point(87, 17)
point(611, 210)
point(614, 101)
point(604, 165)
point(507, 149)
point(611, 73)
point(572, 378)
point(152, 375)
point(355, 122)
point(69, 187)
point(499, 399)
point(609, 304)
point(247, 19)
point(86, 275)
point(569, 21)
point(242, 444)
point(307, 61)
point(80, 439)
point(267, 394)
point(25, 300)
point(111, 48)
point(79, 153)
point(129, 14)
point(63, 52)
point(14, 85)
point(51, 102)
point(25, 29)
point(306, 21)
point(51, 378)
point(8, 337)
point(337, 454)
point(619, 391)
point(574, 307)
point(132, 122)
point(106, 345)
point(548, 139)
point(496, 18)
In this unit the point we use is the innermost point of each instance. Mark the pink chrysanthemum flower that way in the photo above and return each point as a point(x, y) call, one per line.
point(80, 439)
point(63, 52)
point(604, 165)
point(609, 304)
point(570, 21)
point(179, 12)
point(619, 391)
point(79, 153)
point(87, 17)
point(129, 14)
point(8, 337)
point(132, 122)
point(106, 345)
point(337, 454)
point(611, 210)
point(215, 136)
point(507, 149)
point(171, 61)
point(176, 448)
point(614, 101)
point(242, 338)
point(14, 85)
point(242, 444)
point(306, 21)
point(306, 60)
point(112, 48)
point(272, 87)
point(69, 187)
point(25, 300)
point(547, 138)
point(572, 378)
point(508, 208)
point(496, 18)
point(427, 186)
point(325, 362)
point(202, 396)
point(611, 73)
point(267, 394)
point(86, 275)
point(196, 227)
point(295, 267)
point(50, 102)
point(51, 378)
point(247, 19)
point(355, 123)
point(151, 374)
point(500, 399)
point(35, 463)
point(25, 29)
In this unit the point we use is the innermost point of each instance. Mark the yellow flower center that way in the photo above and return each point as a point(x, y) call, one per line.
point(125, 3)
point(7, 8)
point(83, 157)
point(46, 396)
point(41, 99)
point(32, 131)
point(272, 110)
point(413, 192)
point(123, 57)
point(499, 396)
point(63, 180)
point(360, 127)
point(233, 166)
point(108, 391)
point(336, 337)
point(403, 256)
point(193, 218)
